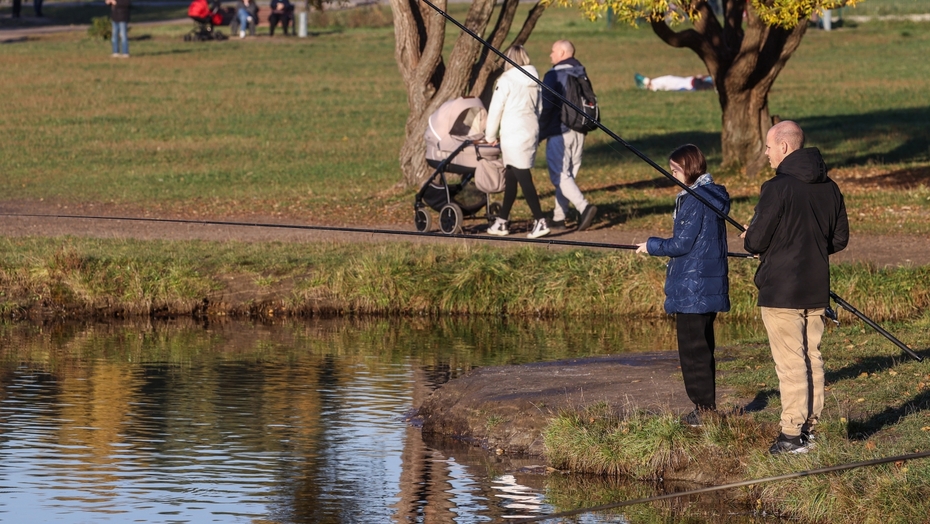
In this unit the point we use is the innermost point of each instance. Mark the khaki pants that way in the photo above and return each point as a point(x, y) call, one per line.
point(794, 336)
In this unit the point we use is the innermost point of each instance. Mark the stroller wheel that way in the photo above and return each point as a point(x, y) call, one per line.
point(450, 219)
point(423, 221)
point(494, 211)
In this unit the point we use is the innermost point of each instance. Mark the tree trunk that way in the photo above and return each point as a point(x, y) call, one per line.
point(745, 57)
point(419, 33)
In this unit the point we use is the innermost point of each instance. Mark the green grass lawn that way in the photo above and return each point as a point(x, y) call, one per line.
point(310, 129)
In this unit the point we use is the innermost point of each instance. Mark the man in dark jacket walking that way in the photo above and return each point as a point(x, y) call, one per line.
point(563, 145)
point(799, 222)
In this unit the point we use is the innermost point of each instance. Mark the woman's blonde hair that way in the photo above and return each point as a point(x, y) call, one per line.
point(518, 54)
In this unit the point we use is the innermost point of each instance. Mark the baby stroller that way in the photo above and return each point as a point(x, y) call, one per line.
point(453, 149)
point(205, 17)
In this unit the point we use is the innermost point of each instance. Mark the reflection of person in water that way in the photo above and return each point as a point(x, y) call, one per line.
point(674, 83)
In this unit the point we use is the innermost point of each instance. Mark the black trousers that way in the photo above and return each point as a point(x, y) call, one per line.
point(696, 352)
point(274, 18)
point(524, 177)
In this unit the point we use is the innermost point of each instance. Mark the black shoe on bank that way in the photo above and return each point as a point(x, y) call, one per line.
point(786, 444)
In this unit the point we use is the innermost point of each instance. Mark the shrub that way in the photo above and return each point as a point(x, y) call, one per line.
point(100, 27)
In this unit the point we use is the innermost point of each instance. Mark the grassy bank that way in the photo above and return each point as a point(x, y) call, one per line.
point(878, 405)
point(144, 278)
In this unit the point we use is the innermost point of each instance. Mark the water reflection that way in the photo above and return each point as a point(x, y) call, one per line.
point(237, 422)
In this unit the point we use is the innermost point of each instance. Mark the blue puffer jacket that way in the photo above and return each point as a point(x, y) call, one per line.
point(697, 278)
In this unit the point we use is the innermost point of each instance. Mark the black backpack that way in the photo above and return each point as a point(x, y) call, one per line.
point(579, 92)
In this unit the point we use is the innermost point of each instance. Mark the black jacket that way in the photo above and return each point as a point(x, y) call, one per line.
point(799, 221)
point(119, 12)
point(550, 117)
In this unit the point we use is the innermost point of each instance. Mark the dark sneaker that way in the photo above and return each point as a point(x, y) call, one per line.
point(693, 419)
point(540, 229)
point(587, 216)
point(786, 444)
point(809, 436)
point(557, 227)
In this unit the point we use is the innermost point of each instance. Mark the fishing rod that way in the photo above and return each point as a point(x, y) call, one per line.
point(657, 167)
point(547, 241)
point(797, 474)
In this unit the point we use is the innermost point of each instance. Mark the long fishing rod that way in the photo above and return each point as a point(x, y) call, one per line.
point(797, 474)
point(655, 166)
point(547, 241)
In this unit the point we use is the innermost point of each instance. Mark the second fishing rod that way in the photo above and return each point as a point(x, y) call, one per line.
point(840, 302)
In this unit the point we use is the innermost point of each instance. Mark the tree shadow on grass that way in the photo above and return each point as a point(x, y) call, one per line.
point(829, 133)
point(845, 140)
point(655, 147)
point(863, 429)
point(870, 365)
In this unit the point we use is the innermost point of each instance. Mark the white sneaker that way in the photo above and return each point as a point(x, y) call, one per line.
point(241, 34)
point(499, 228)
point(540, 229)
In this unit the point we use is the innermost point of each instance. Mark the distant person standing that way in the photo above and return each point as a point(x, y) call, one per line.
point(37, 6)
point(799, 222)
point(119, 20)
point(563, 145)
point(17, 8)
point(697, 281)
point(514, 111)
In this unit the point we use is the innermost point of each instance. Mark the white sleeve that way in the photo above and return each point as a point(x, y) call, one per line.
point(496, 111)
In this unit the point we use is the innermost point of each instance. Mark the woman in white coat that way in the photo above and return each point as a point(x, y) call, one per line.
point(514, 112)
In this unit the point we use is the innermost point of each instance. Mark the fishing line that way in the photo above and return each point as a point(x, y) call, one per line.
point(797, 474)
point(549, 241)
point(657, 167)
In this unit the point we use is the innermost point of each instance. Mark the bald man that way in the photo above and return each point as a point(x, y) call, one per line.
point(563, 145)
point(799, 221)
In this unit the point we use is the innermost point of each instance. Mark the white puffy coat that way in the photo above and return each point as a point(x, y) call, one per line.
point(514, 111)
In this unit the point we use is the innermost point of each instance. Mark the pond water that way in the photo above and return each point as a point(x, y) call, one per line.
point(300, 421)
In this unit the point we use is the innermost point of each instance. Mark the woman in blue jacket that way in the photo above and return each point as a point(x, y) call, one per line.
point(696, 283)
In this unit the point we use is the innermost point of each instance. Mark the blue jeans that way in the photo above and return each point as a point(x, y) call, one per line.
point(120, 37)
point(243, 19)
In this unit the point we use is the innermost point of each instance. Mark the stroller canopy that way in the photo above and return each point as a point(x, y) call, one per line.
point(454, 122)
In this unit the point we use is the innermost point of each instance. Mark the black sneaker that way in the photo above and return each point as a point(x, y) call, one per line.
point(587, 217)
point(786, 444)
point(693, 419)
point(807, 433)
point(557, 227)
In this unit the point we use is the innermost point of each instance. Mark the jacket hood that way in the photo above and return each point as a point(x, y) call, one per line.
point(517, 77)
point(567, 63)
point(806, 165)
